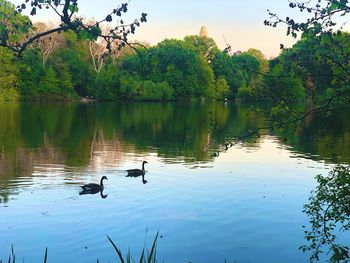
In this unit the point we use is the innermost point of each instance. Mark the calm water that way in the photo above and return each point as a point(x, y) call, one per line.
point(244, 205)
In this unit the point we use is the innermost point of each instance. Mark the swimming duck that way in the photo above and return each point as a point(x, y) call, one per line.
point(94, 188)
point(136, 172)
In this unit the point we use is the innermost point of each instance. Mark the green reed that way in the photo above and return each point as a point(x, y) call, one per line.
point(149, 257)
point(12, 257)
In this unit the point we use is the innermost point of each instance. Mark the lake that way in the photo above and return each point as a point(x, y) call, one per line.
point(208, 201)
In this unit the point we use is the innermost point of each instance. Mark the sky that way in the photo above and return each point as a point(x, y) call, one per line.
point(239, 22)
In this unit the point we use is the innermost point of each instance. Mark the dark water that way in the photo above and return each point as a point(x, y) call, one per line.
point(244, 205)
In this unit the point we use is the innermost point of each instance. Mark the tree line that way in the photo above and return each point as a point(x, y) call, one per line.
point(66, 65)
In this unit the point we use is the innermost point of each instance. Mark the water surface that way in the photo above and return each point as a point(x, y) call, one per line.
point(244, 205)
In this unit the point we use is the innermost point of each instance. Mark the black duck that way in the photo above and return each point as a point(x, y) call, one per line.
point(94, 188)
point(136, 172)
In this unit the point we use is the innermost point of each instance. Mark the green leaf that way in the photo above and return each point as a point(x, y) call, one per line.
point(95, 31)
point(73, 8)
point(45, 257)
point(14, 38)
point(85, 35)
point(153, 250)
point(117, 250)
point(33, 12)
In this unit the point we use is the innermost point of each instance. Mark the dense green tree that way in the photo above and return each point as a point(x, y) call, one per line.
point(249, 67)
point(129, 86)
point(280, 87)
point(150, 90)
point(49, 83)
point(132, 88)
point(176, 63)
point(75, 54)
point(304, 61)
point(179, 64)
point(223, 66)
point(206, 46)
point(263, 69)
point(9, 72)
point(222, 89)
point(260, 57)
point(332, 45)
point(13, 26)
point(30, 74)
point(106, 83)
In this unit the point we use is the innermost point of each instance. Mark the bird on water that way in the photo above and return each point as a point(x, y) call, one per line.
point(137, 172)
point(92, 187)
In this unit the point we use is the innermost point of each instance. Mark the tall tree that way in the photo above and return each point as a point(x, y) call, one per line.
point(9, 71)
point(322, 26)
point(205, 45)
point(49, 43)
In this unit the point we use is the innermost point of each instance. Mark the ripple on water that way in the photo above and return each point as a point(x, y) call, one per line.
point(245, 205)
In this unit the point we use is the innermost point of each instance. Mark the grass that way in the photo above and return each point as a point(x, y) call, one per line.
point(145, 257)
point(12, 257)
point(149, 257)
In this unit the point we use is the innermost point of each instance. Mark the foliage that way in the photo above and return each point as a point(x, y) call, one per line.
point(279, 87)
point(105, 83)
point(314, 68)
point(129, 87)
point(156, 91)
point(328, 45)
point(175, 63)
point(75, 55)
point(204, 45)
point(224, 66)
point(246, 93)
point(178, 64)
point(9, 72)
point(249, 67)
point(323, 14)
point(329, 213)
point(222, 89)
point(132, 88)
point(14, 27)
point(311, 61)
point(281, 112)
point(260, 57)
point(30, 74)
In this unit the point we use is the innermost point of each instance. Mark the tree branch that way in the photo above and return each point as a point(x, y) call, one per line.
point(37, 36)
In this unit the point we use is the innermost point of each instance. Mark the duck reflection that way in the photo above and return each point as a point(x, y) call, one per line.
point(92, 192)
point(144, 181)
point(137, 173)
point(92, 188)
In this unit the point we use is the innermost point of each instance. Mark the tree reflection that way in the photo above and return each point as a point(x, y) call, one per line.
point(329, 215)
point(324, 136)
point(99, 135)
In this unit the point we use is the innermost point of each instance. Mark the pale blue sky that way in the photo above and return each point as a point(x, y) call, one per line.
point(241, 22)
